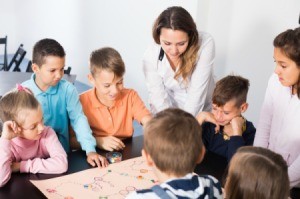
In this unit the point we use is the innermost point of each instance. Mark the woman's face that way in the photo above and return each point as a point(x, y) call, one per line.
point(173, 42)
point(287, 70)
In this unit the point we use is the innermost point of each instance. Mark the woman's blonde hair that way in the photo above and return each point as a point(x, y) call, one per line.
point(177, 18)
point(257, 172)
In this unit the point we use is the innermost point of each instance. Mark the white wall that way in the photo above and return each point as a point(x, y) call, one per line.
point(243, 32)
point(83, 26)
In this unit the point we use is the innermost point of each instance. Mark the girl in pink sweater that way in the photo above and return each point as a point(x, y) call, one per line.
point(26, 145)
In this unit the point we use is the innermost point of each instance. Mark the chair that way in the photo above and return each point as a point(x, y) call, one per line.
point(29, 68)
point(68, 70)
point(17, 59)
point(4, 64)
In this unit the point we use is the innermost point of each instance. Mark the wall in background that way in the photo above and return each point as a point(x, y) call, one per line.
point(243, 32)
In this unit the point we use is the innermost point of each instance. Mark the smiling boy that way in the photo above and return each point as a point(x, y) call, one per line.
point(225, 129)
point(109, 107)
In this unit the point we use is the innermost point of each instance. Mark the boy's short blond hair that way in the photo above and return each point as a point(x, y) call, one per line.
point(173, 139)
point(106, 59)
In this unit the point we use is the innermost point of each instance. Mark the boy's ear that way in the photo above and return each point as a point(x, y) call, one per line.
point(148, 158)
point(201, 155)
point(35, 68)
point(91, 79)
point(244, 107)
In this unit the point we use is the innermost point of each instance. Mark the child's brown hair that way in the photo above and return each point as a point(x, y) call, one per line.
point(107, 59)
point(177, 18)
point(256, 172)
point(173, 139)
point(46, 47)
point(231, 87)
point(289, 43)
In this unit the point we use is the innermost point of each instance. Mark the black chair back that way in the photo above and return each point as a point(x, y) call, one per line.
point(29, 68)
point(3, 65)
point(68, 70)
point(17, 59)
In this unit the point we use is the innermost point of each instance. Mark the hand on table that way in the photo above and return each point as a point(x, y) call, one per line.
point(95, 159)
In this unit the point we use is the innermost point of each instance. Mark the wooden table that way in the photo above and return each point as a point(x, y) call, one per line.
point(8, 80)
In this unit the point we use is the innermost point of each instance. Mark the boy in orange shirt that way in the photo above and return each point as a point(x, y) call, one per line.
point(109, 107)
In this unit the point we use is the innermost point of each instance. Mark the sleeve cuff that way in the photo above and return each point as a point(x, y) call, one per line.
point(23, 167)
point(90, 149)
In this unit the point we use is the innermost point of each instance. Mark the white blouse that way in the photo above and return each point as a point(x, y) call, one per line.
point(279, 127)
point(165, 91)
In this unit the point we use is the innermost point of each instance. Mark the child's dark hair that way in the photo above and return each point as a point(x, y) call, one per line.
point(15, 101)
point(173, 139)
point(46, 47)
point(107, 59)
point(257, 172)
point(289, 43)
point(229, 88)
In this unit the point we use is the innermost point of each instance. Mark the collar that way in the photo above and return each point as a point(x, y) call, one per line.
point(35, 89)
point(97, 104)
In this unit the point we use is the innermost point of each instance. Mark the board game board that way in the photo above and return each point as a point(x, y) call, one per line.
point(115, 181)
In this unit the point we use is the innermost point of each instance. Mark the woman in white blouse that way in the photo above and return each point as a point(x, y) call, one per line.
point(179, 66)
point(279, 127)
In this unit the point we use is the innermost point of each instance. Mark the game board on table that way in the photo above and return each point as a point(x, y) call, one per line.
point(115, 181)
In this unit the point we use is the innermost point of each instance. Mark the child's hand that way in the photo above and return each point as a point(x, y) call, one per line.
point(95, 159)
point(15, 167)
point(10, 130)
point(208, 117)
point(237, 125)
point(110, 143)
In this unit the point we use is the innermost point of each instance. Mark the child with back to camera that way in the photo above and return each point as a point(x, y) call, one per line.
point(173, 146)
point(109, 107)
point(224, 129)
point(256, 172)
point(26, 145)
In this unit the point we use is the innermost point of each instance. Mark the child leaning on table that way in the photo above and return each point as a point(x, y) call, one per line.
point(224, 129)
point(256, 172)
point(26, 145)
point(173, 146)
point(59, 99)
point(109, 107)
